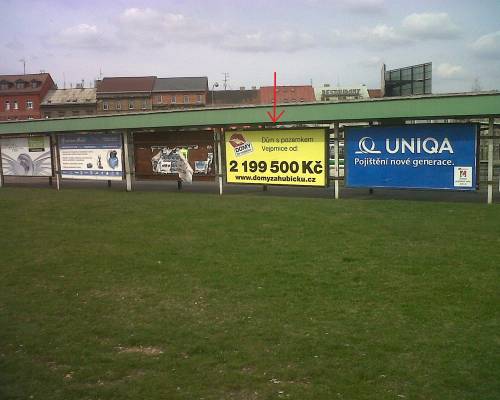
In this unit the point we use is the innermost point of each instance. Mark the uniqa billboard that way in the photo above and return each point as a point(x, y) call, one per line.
point(420, 156)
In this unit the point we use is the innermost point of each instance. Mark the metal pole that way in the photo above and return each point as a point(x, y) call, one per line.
point(55, 155)
point(126, 159)
point(220, 138)
point(490, 160)
point(336, 170)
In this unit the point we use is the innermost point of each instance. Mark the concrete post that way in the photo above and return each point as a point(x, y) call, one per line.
point(126, 159)
point(220, 138)
point(56, 163)
point(1, 170)
point(336, 157)
point(490, 160)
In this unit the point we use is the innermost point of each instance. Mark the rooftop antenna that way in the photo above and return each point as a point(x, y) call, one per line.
point(100, 74)
point(64, 80)
point(23, 60)
point(226, 79)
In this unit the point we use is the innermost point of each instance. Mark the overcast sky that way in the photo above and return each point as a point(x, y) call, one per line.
point(326, 41)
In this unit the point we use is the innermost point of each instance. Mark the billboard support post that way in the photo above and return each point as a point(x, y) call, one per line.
point(126, 159)
point(336, 156)
point(490, 160)
point(55, 157)
point(220, 138)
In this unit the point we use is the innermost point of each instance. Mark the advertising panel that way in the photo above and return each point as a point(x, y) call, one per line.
point(277, 157)
point(26, 156)
point(91, 156)
point(183, 156)
point(421, 156)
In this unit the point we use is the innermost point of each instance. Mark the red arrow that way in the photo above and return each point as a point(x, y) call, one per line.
point(273, 117)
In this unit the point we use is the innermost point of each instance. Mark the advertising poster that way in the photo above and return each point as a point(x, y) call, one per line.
point(185, 156)
point(421, 156)
point(277, 157)
point(26, 156)
point(91, 156)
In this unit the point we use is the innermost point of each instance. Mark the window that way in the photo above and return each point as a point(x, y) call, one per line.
point(7, 105)
point(20, 85)
point(198, 98)
point(118, 105)
point(105, 106)
point(16, 106)
point(144, 104)
point(76, 112)
point(4, 86)
point(186, 99)
point(159, 99)
point(30, 117)
point(29, 105)
point(35, 84)
point(174, 99)
point(130, 105)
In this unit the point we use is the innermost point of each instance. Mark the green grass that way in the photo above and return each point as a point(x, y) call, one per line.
point(113, 295)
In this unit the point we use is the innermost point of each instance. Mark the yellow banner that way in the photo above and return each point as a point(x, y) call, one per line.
point(276, 157)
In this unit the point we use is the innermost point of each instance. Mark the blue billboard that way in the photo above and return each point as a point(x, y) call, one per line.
point(420, 156)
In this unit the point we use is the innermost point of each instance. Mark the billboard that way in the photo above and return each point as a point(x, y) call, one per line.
point(421, 156)
point(277, 157)
point(407, 81)
point(184, 156)
point(26, 156)
point(91, 156)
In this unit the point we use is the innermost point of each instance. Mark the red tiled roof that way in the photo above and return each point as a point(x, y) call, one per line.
point(12, 79)
point(126, 84)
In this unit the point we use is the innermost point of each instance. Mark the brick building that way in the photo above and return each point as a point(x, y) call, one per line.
point(124, 94)
point(184, 92)
point(60, 103)
point(287, 94)
point(21, 95)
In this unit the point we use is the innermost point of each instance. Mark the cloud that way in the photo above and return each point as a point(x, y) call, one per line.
point(371, 62)
point(381, 36)
point(364, 6)
point(449, 71)
point(430, 26)
point(281, 41)
point(147, 26)
point(488, 46)
point(82, 36)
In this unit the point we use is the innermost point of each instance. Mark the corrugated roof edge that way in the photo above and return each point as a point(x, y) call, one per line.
point(217, 116)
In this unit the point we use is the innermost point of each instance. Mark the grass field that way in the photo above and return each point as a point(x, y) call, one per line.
point(113, 295)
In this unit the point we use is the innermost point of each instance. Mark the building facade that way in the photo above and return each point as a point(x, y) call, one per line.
point(124, 94)
point(61, 103)
point(184, 92)
point(21, 95)
point(287, 94)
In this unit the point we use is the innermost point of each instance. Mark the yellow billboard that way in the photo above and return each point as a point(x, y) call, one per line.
point(277, 157)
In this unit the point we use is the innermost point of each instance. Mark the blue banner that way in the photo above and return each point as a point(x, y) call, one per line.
point(420, 156)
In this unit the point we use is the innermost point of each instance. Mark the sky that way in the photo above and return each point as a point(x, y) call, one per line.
point(339, 42)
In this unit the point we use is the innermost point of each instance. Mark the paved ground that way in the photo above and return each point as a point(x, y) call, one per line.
point(209, 187)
